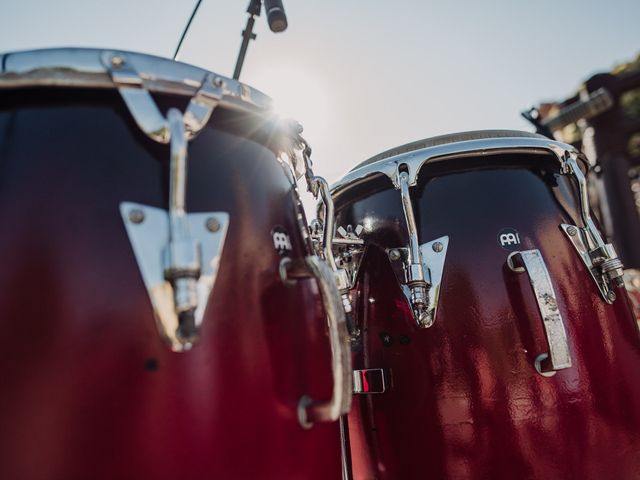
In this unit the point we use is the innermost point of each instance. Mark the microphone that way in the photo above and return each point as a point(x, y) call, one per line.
point(275, 15)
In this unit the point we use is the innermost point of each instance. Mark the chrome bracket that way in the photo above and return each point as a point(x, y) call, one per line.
point(418, 275)
point(319, 188)
point(602, 262)
point(348, 249)
point(369, 381)
point(415, 269)
point(177, 253)
point(599, 257)
point(149, 232)
point(559, 358)
point(143, 108)
point(433, 255)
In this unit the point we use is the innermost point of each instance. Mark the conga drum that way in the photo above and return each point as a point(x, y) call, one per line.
point(162, 314)
point(493, 337)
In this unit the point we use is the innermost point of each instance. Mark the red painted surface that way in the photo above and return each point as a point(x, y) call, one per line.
point(634, 297)
point(88, 389)
point(465, 401)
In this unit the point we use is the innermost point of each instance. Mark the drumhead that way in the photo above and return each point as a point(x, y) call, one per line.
point(444, 139)
point(477, 145)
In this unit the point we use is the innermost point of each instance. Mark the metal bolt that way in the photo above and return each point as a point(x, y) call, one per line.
point(213, 225)
point(437, 247)
point(136, 216)
point(218, 82)
point(394, 254)
point(572, 230)
point(117, 61)
point(611, 295)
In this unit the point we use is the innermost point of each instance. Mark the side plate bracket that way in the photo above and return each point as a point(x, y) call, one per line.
point(148, 231)
point(580, 240)
point(434, 254)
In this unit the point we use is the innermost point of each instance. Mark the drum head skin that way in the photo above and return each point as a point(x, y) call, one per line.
point(445, 139)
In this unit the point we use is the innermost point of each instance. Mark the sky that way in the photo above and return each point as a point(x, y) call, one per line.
point(364, 75)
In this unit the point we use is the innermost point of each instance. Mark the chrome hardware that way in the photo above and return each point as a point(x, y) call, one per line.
point(177, 253)
point(601, 259)
point(91, 68)
point(348, 250)
point(150, 240)
point(415, 159)
point(136, 76)
point(138, 99)
point(349, 236)
point(433, 260)
point(319, 188)
point(213, 225)
point(532, 262)
point(415, 277)
point(202, 104)
point(369, 381)
point(310, 411)
point(136, 216)
point(141, 105)
point(602, 262)
point(182, 254)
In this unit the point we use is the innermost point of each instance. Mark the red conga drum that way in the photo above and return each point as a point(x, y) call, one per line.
point(493, 336)
point(162, 314)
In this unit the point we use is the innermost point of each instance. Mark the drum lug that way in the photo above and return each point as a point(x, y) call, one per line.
point(419, 275)
point(602, 262)
point(178, 253)
point(149, 232)
point(433, 255)
point(601, 259)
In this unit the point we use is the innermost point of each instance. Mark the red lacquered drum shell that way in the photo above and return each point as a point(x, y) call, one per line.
point(465, 400)
point(89, 389)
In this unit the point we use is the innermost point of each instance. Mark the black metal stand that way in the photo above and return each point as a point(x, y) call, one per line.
point(247, 35)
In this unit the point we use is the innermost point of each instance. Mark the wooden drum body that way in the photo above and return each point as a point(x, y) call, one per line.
point(471, 396)
point(89, 387)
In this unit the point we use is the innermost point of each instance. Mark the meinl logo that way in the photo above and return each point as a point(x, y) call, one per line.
point(281, 241)
point(509, 238)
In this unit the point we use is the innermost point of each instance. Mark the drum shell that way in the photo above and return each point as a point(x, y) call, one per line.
point(89, 389)
point(464, 399)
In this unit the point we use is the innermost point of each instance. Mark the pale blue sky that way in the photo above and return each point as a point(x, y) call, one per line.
point(365, 75)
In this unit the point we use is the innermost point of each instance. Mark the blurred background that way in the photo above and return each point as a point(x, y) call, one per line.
point(364, 76)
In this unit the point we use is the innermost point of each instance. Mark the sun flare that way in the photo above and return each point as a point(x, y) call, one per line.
point(298, 94)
